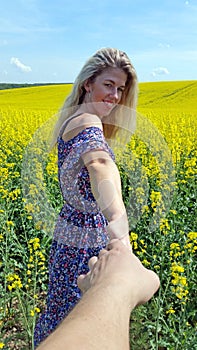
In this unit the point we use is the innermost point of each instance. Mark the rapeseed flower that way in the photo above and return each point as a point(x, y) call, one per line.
point(34, 311)
point(170, 311)
point(164, 226)
point(16, 282)
point(133, 240)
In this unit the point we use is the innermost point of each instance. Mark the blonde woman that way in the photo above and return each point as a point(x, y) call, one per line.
point(94, 114)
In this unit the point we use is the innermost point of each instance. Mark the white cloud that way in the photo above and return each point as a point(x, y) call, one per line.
point(164, 46)
point(16, 62)
point(159, 71)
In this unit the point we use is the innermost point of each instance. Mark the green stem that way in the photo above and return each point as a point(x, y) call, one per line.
point(160, 296)
point(24, 313)
point(34, 291)
point(5, 268)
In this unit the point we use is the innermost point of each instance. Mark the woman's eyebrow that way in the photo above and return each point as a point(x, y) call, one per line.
point(113, 82)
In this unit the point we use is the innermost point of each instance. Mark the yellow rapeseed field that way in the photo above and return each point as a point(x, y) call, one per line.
point(158, 172)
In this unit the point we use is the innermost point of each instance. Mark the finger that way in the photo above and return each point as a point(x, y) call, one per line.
point(103, 252)
point(83, 282)
point(92, 261)
point(80, 281)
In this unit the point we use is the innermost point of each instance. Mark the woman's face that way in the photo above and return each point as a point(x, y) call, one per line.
point(106, 91)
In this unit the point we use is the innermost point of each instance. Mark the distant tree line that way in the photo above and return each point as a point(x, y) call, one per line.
point(4, 86)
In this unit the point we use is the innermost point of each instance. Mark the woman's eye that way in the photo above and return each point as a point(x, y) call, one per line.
point(121, 90)
point(108, 84)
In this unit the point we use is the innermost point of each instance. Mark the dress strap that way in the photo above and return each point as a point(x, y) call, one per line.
point(64, 125)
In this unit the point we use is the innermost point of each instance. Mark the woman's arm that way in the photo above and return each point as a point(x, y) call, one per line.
point(106, 188)
point(104, 178)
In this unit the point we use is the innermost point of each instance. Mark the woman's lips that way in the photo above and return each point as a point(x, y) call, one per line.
point(109, 104)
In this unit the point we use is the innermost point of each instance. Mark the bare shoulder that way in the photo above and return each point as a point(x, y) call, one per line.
point(86, 120)
point(79, 123)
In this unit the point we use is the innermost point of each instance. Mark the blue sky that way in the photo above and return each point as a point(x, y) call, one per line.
point(49, 41)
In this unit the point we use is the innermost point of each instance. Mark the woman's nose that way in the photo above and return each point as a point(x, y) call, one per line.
point(114, 93)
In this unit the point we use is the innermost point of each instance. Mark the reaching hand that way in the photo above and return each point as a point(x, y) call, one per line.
point(121, 270)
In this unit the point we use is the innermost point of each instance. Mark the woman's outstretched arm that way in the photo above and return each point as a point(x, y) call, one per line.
point(106, 188)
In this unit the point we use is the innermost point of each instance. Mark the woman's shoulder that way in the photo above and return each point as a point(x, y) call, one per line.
point(78, 123)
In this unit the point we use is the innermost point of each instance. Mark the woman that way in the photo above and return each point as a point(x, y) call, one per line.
point(94, 211)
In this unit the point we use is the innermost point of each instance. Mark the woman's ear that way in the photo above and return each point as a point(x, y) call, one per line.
point(87, 86)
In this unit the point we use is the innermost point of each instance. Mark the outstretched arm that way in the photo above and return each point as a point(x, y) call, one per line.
point(104, 178)
point(116, 283)
point(106, 188)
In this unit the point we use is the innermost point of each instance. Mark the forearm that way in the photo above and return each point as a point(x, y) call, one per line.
point(105, 187)
point(99, 321)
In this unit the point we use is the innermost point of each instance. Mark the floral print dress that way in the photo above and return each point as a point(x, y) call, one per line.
point(80, 231)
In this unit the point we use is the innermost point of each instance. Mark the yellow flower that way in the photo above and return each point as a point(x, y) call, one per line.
point(35, 243)
point(33, 190)
point(133, 236)
point(10, 223)
point(2, 345)
point(192, 235)
point(164, 224)
point(176, 255)
point(16, 281)
point(173, 211)
point(177, 268)
point(183, 280)
point(188, 245)
point(10, 278)
point(32, 313)
point(174, 246)
point(133, 240)
point(29, 207)
point(145, 209)
point(37, 309)
point(145, 262)
point(143, 250)
point(170, 311)
point(38, 225)
point(156, 198)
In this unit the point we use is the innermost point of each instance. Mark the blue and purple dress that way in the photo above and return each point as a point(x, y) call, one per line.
point(80, 231)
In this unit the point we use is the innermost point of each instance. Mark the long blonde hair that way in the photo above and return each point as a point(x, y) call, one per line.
point(95, 65)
